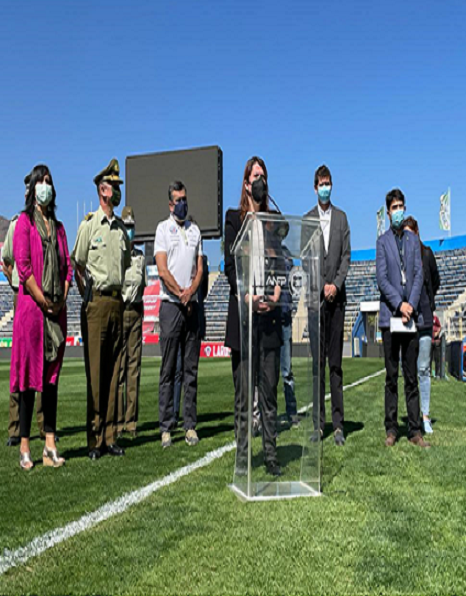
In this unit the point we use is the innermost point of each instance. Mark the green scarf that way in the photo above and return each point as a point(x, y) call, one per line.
point(51, 285)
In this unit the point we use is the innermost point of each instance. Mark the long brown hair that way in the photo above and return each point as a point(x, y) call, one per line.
point(244, 200)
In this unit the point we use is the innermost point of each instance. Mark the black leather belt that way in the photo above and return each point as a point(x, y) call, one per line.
point(137, 306)
point(110, 293)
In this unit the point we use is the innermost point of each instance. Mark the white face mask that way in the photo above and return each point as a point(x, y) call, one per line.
point(43, 193)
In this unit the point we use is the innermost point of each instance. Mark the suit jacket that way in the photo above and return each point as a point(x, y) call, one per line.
point(388, 267)
point(269, 323)
point(334, 264)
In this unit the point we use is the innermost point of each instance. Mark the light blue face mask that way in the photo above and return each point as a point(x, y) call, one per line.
point(130, 232)
point(43, 193)
point(397, 218)
point(324, 193)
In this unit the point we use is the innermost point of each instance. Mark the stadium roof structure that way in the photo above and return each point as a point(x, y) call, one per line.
point(368, 254)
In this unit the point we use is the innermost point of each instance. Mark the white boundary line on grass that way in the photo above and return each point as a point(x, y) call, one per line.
point(42, 543)
point(355, 384)
point(39, 545)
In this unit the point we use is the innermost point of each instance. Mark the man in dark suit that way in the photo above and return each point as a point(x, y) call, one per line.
point(334, 265)
point(400, 280)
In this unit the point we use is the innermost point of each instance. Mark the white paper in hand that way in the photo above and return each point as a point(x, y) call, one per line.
point(397, 326)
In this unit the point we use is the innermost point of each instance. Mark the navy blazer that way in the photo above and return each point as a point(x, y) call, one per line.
point(388, 268)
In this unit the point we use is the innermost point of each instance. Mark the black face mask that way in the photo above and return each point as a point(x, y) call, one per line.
point(259, 190)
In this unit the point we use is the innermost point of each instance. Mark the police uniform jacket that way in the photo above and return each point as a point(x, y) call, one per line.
point(103, 247)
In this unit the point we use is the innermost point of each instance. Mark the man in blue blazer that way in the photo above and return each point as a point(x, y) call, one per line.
point(400, 280)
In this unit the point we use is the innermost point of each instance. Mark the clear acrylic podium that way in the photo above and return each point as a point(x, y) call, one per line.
point(278, 274)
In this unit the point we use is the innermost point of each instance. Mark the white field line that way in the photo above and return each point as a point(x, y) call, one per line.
point(304, 409)
point(43, 543)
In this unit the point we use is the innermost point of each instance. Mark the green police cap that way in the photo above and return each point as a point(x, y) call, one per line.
point(109, 174)
point(127, 215)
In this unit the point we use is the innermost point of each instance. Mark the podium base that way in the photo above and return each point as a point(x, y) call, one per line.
point(268, 491)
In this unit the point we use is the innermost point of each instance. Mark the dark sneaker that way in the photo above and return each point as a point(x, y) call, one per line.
point(273, 468)
point(339, 437)
point(115, 450)
point(256, 429)
point(95, 454)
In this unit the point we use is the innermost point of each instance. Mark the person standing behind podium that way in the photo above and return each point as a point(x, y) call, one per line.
point(254, 198)
point(101, 255)
point(133, 314)
point(400, 279)
point(334, 265)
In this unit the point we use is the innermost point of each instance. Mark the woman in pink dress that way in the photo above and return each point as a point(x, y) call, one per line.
point(39, 330)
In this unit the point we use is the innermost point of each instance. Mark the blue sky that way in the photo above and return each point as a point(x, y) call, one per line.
point(375, 90)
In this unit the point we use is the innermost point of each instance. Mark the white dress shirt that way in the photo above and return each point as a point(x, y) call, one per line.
point(325, 221)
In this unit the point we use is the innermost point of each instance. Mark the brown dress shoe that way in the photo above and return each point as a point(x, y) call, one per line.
point(390, 440)
point(419, 441)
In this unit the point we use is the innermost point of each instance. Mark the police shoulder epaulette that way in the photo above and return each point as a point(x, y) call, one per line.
point(89, 216)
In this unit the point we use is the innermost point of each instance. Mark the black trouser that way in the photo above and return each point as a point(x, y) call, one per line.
point(409, 345)
point(49, 406)
point(265, 375)
point(178, 326)
point(332, 320)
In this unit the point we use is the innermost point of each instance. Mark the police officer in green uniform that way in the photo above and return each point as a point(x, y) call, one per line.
point(101, 255)
point(11, 273)
point(133, 314)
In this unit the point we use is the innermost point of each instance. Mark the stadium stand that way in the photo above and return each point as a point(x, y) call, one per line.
point(361, 286)
point(6, 310)
point(216, 308)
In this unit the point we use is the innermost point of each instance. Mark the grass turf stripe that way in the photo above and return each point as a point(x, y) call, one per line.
point(355, 384)
point(41, 544)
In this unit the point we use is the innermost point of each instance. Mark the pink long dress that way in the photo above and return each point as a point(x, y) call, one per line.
point(27, 355)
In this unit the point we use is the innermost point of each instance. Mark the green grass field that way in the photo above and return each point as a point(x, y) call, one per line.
point(392, 521)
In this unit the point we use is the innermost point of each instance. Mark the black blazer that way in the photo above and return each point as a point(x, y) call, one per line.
point(269, 323)
point(429, 289)
point(334, 264)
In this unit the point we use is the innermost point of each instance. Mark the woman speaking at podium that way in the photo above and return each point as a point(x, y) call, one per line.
point(266, 323)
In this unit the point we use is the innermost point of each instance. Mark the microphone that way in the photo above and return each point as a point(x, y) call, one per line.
point(275, 204)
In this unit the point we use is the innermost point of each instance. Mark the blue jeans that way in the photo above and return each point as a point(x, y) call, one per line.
point(286, 370)
point(423, 371)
